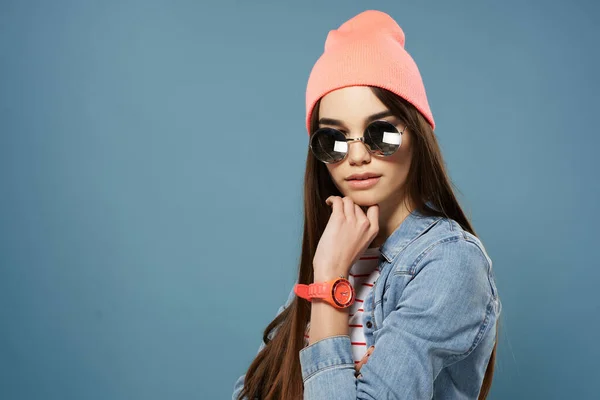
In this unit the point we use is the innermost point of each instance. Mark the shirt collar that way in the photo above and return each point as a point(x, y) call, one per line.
point(415, 224)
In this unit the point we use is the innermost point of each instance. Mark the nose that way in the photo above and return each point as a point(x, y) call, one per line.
point(358, 153)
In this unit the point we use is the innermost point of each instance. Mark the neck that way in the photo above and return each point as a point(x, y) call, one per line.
point(391, 216)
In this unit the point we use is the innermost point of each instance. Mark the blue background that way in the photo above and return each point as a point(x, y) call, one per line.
point(148, 235)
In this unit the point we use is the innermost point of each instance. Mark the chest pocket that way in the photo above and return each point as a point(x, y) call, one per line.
point(387, 293)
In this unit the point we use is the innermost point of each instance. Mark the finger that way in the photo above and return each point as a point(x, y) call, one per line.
point(373, 216)
point(330, 199)
point(337, 205)
point(360, 363)
point(357, 366)
point(358, 211)
point(361, 217)
point(349, 208)
point(364, 359)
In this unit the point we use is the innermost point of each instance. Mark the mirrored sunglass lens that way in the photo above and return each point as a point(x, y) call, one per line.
point(383, 138)
point(329, 145)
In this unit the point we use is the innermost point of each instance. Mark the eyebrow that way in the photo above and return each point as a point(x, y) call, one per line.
point(337, 122)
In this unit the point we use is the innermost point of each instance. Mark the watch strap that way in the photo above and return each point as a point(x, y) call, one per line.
point(316, 290)
point(301, 290)
point(319, 290)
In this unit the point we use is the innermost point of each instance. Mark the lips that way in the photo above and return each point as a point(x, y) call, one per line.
point(363, 176)
point(363, 184)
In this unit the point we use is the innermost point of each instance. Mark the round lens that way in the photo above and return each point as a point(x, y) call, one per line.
point(329, 145)
point(383, 138)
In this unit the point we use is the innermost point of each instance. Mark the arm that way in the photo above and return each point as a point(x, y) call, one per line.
point(440, 317)
point(239, 383)
point(325, 320)
point(348, 232)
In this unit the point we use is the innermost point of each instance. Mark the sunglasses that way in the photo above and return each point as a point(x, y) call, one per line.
point(330, 145)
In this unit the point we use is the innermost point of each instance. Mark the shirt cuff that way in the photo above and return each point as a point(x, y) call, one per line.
point(329, 353)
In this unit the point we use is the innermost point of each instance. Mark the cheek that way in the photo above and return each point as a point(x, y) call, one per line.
point(396, 169)
point(401, 161)
point(402, 158)
point(335, 173)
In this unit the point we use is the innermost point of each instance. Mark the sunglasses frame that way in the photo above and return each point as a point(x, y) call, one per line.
point(359, 139)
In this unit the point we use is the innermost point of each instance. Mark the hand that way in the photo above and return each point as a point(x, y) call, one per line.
point(363, 360)
point(348, 233)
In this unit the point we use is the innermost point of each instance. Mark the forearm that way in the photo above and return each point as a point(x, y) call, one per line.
point(326, 320)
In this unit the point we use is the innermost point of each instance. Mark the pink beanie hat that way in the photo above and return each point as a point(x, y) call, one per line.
point(368, 49)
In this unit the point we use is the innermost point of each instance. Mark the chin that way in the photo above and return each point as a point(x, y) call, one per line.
point(364, 198)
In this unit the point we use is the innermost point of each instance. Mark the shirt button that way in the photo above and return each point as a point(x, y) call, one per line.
point(369, 324)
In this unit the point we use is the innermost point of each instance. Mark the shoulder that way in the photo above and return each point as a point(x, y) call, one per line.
point(453, 252)
point(441, 284)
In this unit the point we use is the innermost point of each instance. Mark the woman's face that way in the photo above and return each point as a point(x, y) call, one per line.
point(350, 110)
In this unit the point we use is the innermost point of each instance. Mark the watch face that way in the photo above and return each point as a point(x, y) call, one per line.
point(343, 293)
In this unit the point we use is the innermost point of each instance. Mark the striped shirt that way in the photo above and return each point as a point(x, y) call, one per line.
point(363, 275)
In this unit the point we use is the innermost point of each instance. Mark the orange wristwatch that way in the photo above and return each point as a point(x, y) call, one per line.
point(338, 292)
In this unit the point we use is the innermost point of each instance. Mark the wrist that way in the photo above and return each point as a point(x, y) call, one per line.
point(329, 272)
point(328, 276)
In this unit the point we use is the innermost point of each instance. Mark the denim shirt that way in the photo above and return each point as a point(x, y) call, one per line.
point(431, 316)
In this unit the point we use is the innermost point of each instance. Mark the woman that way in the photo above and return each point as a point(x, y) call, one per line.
point(407, 306)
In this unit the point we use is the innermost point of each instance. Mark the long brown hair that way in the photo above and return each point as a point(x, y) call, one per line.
point(275, 372)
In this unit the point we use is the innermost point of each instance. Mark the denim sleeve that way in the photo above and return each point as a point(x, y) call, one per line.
point(239, 383)
point(439, 318)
